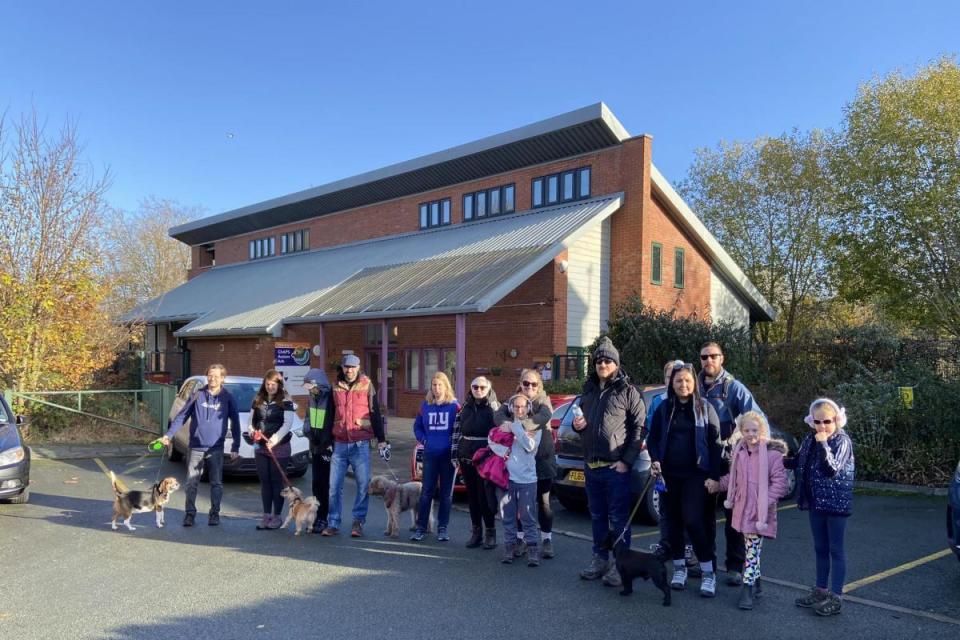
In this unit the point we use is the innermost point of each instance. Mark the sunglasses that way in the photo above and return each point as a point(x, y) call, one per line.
point(683, 365)
point(827, 421)
point(530, 383)
point(479, 387)
point(710, 356)
point(604, 361)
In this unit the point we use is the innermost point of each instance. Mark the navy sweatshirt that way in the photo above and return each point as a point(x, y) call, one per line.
point(208, 415)
point(434, 426)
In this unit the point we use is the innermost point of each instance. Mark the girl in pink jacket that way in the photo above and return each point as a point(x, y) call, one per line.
point(757, 480)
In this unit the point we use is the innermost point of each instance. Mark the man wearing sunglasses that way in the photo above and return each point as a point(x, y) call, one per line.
point(730, 398)
point(612, 432)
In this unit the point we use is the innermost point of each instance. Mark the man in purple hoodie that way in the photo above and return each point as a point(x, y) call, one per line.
point(208, 411)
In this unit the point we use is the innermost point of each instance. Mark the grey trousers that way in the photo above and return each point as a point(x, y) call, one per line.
point(214, 462)
point(520, 499)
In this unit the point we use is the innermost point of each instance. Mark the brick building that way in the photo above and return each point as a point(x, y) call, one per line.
point(484, 258)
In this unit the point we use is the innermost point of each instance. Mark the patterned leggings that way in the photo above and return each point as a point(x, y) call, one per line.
point(751, 566)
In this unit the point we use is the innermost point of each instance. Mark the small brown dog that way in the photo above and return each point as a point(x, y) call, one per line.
point(126, 503)
point(303, 511)
point(397, 498)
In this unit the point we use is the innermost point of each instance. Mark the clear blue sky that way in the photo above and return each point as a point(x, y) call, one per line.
point(316, 91)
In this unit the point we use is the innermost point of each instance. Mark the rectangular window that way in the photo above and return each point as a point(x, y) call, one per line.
point(568, 186)
point(553, 189)
point(494, 202)
point(678, 268)
point(413, 370)
point(434, 214)
point(424, 216)
point(445, 211)
point(253, 250)
point(468, 206)
point(584, 191)
point(450, 365)
point(306, 239)
point(481, 204)
point(509, 204)
point(536, 193)
point(283, 244)
point(431, 364)
point(656, 258)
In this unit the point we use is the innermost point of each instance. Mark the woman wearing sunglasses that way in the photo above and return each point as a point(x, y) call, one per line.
point(684, 447)
point(470, 431)
point(611, 429)
point(531, 387)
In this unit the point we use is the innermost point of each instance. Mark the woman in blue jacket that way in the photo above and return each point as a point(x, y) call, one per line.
point(433, 429)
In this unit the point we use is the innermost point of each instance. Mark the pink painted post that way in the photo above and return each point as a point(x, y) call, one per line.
point(461, 356)
point(384, 344)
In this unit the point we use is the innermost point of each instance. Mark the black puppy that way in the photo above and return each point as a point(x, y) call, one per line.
point(638, 564)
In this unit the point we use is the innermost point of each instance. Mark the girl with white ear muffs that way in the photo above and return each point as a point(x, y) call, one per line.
point(825, 472)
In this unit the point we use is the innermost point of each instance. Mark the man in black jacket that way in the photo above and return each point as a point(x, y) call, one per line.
point(611, 429)
point(318, 423)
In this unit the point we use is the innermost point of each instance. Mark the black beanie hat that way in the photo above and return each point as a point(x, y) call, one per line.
point(606, 350)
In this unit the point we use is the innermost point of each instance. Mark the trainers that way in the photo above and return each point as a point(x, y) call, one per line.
point(679, 580)
point(546, 550)
point(508, 552)
point(264, 522)
point(188, 520)
point(213, 520)
point(812, 599)
point(418, 535)
point(356, 531)
point(330, 531)
point(442, 535)
point(519, 549)
point(829, 606)
point(708, 584)
point(596, 568)
point(734, 578)
point(275, 522)
point(533, 556)
point(612, 577)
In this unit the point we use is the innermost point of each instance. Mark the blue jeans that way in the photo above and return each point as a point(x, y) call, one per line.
point(356, 455)
point(195, 462)
point(828, 533)
point(436, 465)
point(608, 496)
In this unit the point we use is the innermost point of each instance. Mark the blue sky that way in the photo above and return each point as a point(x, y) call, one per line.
point(224, 104)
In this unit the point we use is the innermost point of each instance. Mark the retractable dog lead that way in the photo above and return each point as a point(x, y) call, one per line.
point(163, 452)
point(643, 494)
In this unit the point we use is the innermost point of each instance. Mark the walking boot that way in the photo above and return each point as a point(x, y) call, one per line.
point(476, 538)
point(489, 538)
point(533, 556)
point(746, 597)
point(508, 549)
point(598, 566)
point(547, 549)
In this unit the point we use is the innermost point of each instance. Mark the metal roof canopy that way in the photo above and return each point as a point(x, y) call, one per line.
point(580, 131)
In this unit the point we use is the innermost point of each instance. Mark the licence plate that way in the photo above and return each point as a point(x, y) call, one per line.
point(575, 476)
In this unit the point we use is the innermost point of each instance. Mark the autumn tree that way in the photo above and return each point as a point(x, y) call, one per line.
point(771, 204)
point(898, 159)
point(53, 332)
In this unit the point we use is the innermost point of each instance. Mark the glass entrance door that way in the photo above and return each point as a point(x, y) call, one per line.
point(373, 370)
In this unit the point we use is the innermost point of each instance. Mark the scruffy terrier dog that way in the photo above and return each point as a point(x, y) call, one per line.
point(397, 498)
point(126, 503)
point(638, 564)
point(303, 511)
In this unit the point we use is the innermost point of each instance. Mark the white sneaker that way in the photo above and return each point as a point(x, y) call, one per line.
point(708, 585)
point(679, 580)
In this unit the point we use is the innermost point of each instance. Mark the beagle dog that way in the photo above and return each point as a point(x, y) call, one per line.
point(303, 511)
point(126, 503)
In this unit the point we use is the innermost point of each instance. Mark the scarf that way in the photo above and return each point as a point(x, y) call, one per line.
point(763, 480)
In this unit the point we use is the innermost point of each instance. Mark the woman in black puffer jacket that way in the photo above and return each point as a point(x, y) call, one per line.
point(470, 431)
point(271, 418)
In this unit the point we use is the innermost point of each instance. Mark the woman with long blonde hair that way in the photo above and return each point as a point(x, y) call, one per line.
point(433, 429)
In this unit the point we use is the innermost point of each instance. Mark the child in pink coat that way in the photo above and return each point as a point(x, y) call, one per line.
point(757, 480)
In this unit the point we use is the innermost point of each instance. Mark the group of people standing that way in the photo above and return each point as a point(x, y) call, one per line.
point(705, 435)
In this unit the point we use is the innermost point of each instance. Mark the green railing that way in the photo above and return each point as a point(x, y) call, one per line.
point(158, 399)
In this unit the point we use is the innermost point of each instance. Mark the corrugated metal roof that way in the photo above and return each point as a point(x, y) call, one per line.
point(456, 269)
point(587, 129)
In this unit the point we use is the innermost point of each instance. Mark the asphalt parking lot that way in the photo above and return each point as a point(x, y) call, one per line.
point(67, 574)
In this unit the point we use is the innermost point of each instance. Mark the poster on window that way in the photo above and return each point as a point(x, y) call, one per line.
point(292, 360)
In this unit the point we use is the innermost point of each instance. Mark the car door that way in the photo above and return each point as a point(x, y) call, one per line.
point(182, 437)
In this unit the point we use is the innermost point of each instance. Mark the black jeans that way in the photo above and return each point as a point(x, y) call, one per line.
point(736, 553)
point(320, 481)
point(481, 496)
point(544, 512)
point(271, 482)
point(686, 504)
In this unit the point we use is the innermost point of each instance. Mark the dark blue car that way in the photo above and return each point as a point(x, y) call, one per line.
point(14, 458)
point(953, 513)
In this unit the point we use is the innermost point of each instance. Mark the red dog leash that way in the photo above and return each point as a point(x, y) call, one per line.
point(259, 437)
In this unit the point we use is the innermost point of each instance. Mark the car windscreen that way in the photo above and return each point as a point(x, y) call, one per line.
point(4, 416)
point(242, 393)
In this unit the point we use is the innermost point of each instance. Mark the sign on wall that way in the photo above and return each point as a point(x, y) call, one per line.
point(292, 360)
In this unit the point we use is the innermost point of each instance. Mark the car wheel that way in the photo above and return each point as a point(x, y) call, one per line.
point(297, 473)
point(175, 456)
point(23, 498)
point(571, 504)
point(791, 485)
point(651, 502)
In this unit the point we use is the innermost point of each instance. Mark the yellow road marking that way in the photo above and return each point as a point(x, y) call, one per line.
point(895, 570)
point(719, 521)
point(106, 471)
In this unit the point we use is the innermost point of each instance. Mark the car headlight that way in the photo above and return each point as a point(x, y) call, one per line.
point(12, 456)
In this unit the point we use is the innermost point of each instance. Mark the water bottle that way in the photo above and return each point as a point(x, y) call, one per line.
point(577, 411)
